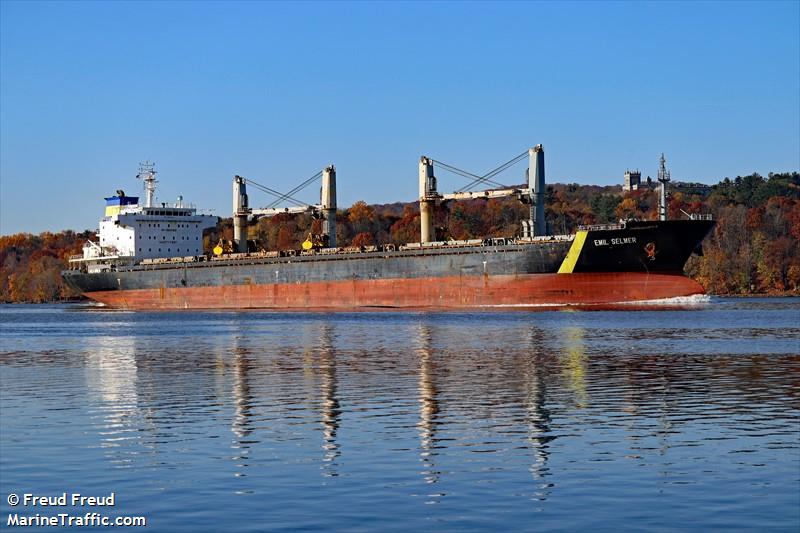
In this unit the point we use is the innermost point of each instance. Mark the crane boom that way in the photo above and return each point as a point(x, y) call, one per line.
point(272, 211)
point(491, 193)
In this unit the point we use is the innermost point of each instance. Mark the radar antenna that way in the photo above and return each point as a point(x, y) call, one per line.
point(147, 174)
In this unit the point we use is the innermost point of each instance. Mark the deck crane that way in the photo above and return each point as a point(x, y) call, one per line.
point(533, 194)
point(326, 207)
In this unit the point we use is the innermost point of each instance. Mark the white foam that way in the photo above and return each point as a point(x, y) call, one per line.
point(693, 300)
point(682, 301)
point(527, 305)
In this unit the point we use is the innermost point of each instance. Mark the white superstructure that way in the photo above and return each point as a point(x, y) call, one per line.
point(152, 232)
point(132, 232)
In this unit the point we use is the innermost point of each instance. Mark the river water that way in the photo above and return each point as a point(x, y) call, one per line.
point(555, 420)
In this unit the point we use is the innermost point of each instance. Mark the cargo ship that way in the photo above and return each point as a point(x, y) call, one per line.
point(150, 257)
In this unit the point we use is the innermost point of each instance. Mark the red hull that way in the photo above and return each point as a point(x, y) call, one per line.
point(418, 293)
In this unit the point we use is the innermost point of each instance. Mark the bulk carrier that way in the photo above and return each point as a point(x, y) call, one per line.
point(150, 257)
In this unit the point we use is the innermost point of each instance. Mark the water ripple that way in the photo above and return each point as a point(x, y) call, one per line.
point(454, 421)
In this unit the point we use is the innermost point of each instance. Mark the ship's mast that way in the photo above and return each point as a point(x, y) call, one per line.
point(536, 190)
point(147, 174)
point(328, 202)
point(663, 177)
point(428, 195)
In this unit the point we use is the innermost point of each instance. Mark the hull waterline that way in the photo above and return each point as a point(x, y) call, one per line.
point(457, 292)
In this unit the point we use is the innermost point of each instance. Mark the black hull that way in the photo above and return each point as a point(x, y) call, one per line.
point(656, 246)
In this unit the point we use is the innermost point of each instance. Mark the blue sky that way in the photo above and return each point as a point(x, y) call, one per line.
point(274, 92)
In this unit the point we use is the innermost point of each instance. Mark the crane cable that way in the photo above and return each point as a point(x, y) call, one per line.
point(297, 189)
point(486, 177)
point(492, 173)
point(464, 173)
point(275, 193)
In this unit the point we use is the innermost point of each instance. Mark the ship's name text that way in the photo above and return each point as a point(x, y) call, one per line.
point(621, 240)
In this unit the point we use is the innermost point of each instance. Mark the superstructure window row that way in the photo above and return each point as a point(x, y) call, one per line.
point(168, 213)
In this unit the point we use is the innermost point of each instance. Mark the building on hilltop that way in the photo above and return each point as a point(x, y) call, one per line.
point(633, 178)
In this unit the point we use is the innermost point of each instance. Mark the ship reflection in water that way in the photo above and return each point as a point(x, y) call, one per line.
point(242, 424)
point(329, 404)
point(539, 434)
point(428, 407)
point(111, 385)
point(361, 421)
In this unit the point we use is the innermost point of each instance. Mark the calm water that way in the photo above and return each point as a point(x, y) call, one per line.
point(657, 420)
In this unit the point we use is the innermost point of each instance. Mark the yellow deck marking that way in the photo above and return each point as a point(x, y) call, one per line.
point(568, 264)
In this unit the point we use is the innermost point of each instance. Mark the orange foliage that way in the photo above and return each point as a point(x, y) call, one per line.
point(31, 265)
point(363, 239)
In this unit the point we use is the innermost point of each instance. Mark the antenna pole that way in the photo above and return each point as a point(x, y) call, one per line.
point(663, 177)
point(147, 174)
